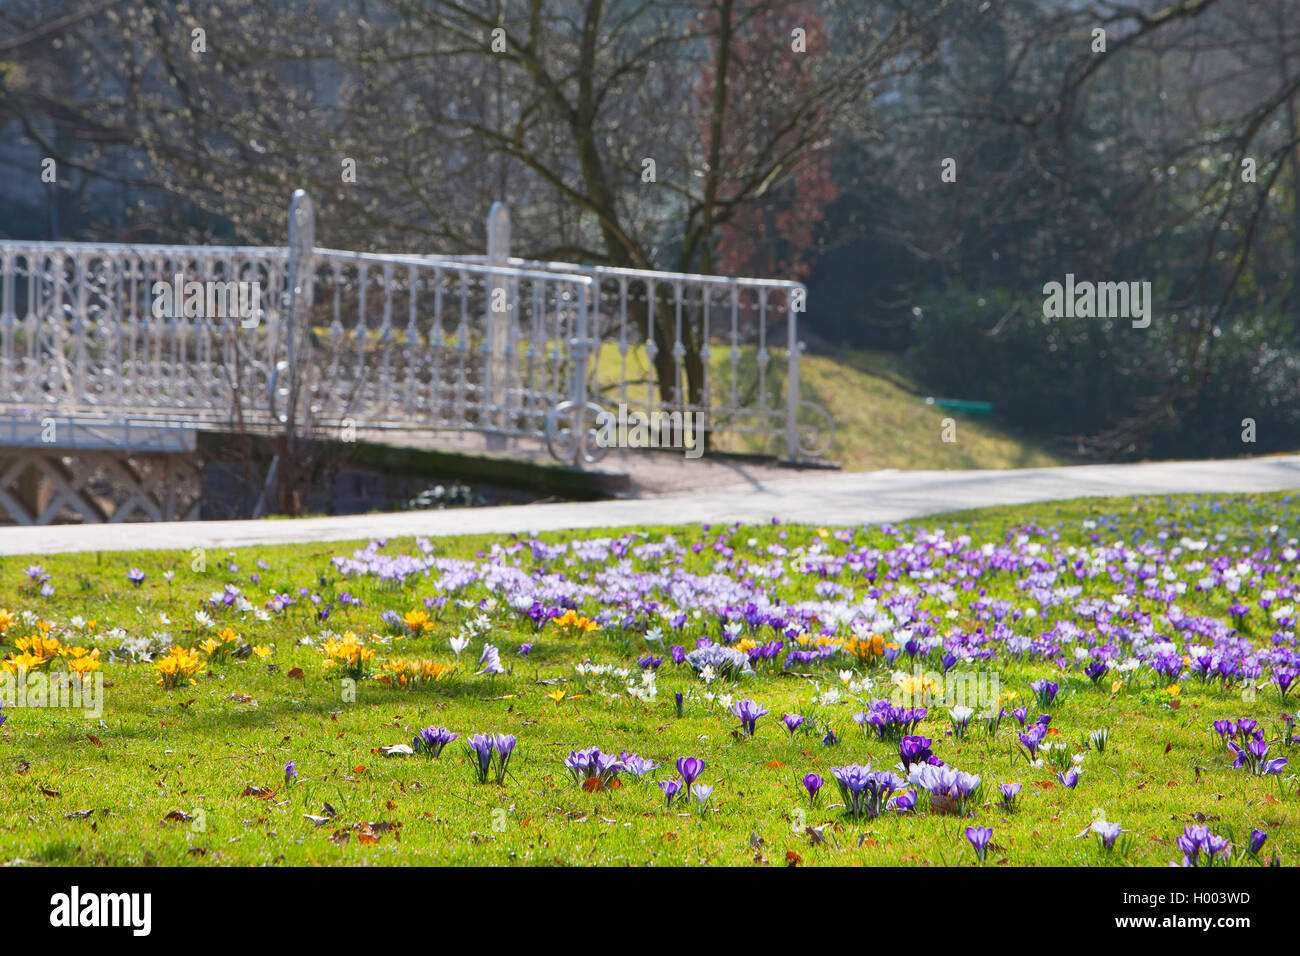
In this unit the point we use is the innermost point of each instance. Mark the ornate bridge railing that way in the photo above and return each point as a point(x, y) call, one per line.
point(305, 338)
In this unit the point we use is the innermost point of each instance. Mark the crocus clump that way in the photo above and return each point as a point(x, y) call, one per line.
point(864, 791)
point(889, 722)
point(636, 765)
point(489, 752)
point(1201, 847)
point(431, 740)
point(1010, 794)
point(1254, 757)
point(1046, 691)
point(915, 749)
point(947, 783)
point(592, 765)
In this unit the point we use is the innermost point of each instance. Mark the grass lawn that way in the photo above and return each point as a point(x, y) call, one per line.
point(881, 419)
point(196, 774)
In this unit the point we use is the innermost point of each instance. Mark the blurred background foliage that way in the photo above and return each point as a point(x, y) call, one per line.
point(820, 163)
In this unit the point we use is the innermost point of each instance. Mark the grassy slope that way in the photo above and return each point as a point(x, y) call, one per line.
point(197, 748)
point(880, 420)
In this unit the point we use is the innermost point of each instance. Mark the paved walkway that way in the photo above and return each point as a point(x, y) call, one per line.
point(820, 498)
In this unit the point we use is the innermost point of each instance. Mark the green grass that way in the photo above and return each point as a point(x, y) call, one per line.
point(196, 749)
point(881, 419)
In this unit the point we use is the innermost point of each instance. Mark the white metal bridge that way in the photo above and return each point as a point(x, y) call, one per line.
point(98, 356)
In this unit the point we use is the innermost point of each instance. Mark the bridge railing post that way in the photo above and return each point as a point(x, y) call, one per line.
point(300, 289)
point(793, 349)
point(497, 319)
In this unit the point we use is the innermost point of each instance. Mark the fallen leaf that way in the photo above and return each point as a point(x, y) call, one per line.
point(792, 858)
point(94, 740)
point(296, 674)
point(178, 816)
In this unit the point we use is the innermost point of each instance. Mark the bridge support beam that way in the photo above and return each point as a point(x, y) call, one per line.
point(93, 487)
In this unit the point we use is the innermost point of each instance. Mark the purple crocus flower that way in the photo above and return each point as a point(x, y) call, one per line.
point(905, 802)
point(979, 838)
point(830, 740)
point(671, 789)
point(480, 749)
point(1069, 779)
point(635, 765)
point(1045, 690)
point(812, 783)
point(290, 773)
point(592, 764)
point(702, 792)
point(792, 722)
point(1031, 739)
point(748, 713)
point(1010, 793)
point(1021, 714)
point(1200, 847)
point(690, 768)
point(503, 745)
point(914, 749)
point(1109, 833)
point(431, 740)
point(678, 655)
point(135, 576)
point(1257, 840)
